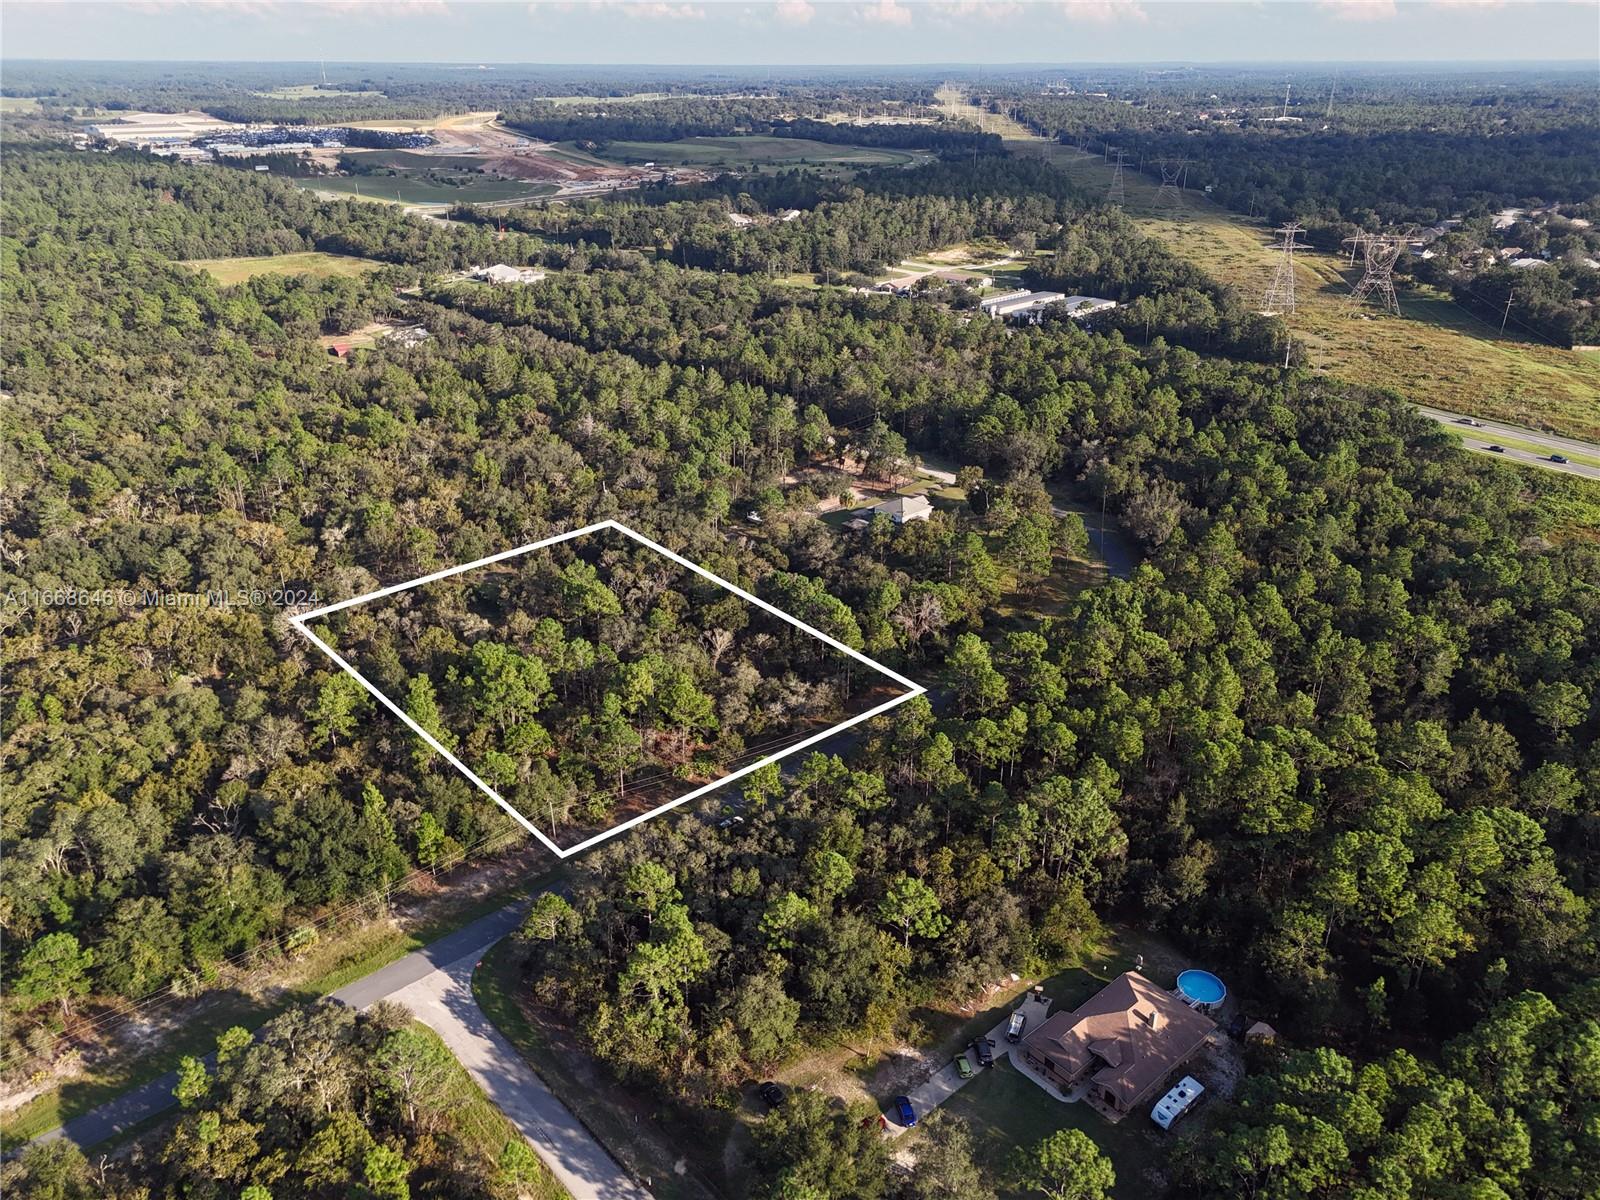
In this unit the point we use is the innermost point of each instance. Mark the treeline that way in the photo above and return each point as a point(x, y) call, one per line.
point(669, 119)
point(1318, 173)
point(129, 201)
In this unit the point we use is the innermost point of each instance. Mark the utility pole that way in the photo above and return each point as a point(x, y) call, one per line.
point(1286, 88)
point(1506, 316)
point(1280, 292)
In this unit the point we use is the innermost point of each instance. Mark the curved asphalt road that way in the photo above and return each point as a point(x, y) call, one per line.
point(436, 984)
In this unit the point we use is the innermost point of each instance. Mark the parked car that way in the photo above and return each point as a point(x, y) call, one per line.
point(1496, 449)
point(1560, 458)
point(1015, 1028)
point(906, 1115)
point(964, 1065)
point(985, 1049)
point(771, 1093)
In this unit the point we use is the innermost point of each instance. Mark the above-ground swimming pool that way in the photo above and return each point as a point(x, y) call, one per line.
point(1201, 987)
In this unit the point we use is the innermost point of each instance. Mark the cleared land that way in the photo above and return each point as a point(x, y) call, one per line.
point(308, 91)
point(399, 189)
point(1437, 353)
point(757, 150)
point(228, 271)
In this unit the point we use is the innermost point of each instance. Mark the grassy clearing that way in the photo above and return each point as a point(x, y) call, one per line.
point(757, 150)
point(646, 1138)
point(357, 951)
point(1436, 353)
point(309, 91)
point(484, 1126)
point(19, 104)
point(465, 188)
point(229, 271)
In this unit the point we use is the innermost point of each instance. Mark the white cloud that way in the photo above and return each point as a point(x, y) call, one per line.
point(952, 11)
point(886, 12)
point(646, 10)
point(1359, 10)
point(794, 12)
point(1102, 12)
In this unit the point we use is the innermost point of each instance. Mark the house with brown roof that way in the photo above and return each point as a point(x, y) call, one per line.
point(1122, 1043)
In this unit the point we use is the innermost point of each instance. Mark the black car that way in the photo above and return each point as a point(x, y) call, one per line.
point(1560, 458)
point(771, 1093)
point(1495, 449)
point(985, 1051)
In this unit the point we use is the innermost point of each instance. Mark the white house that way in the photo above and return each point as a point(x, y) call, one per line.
point(902, 509)
point(501, 273)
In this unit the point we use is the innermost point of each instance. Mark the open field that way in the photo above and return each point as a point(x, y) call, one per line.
point(19, 104)
point(1437, 353)
point(307, 91)
point(229, 271)
point(756, 150)
point(397, 189)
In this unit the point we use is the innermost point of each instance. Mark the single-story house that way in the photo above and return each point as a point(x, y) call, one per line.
point(901, 509)
point(1123, 1042)
point(740, 219)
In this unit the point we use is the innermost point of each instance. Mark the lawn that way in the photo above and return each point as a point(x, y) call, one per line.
point(229, 271)
point(1007, 1112)
point(358, 950)
point(756, 150)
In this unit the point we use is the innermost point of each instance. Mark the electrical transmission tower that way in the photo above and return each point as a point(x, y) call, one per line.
point(1378, 254)
point(1280, 292)
point(1174, 173)
point(1114, 192)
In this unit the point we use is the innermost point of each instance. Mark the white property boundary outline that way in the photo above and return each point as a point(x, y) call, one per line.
point(299, 622)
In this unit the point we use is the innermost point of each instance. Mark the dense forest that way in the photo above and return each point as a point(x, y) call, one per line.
point(588, 680)
point(1369, 150)
point(881, 216)
point(1337, 732)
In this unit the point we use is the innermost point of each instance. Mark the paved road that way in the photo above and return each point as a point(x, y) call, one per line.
point(442, 1000)
point(1487, 433)
point(436, 984)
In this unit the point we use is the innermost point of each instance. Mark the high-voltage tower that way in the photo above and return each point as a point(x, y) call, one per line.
point(1174, 173)
point(1280, 292)
point(1378, 254)
point(1114, 192)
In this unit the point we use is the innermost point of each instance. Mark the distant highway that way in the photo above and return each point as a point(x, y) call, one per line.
point(1483, 434)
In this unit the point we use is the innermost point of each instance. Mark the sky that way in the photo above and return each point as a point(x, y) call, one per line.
point(808, 32)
